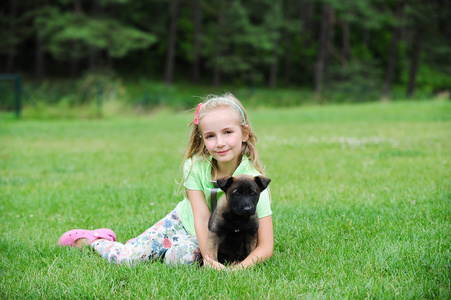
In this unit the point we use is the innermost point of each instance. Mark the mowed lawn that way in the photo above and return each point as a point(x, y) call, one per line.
point(361, 204)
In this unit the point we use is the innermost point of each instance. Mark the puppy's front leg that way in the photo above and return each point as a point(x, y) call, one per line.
point(213, 245)
point(252, 244)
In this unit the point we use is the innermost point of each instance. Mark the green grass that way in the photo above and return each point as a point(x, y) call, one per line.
point(361, 202)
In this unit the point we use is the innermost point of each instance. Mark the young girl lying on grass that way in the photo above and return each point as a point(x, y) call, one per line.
point(222, 143)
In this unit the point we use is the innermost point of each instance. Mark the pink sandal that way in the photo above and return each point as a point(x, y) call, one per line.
point(69, 238)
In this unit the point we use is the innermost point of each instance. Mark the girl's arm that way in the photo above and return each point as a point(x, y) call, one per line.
point(201, 214)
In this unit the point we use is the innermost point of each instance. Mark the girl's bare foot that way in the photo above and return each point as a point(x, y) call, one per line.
point(82, 242)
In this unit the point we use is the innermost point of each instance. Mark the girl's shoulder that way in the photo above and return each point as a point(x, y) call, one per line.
point(246, 168)
point(196, 163)
point(196, 160)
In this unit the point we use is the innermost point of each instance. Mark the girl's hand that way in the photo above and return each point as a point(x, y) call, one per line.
point(235, 266)
point(210, 263)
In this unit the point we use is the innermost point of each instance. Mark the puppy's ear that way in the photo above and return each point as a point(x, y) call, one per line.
point(262, 182)
point(225, 183)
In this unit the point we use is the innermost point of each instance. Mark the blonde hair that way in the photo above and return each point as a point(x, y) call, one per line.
point(196, 145)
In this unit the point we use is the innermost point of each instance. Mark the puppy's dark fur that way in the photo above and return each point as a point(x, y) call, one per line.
point(233, 226)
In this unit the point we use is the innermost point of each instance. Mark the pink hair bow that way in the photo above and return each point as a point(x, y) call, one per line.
point(196, 115)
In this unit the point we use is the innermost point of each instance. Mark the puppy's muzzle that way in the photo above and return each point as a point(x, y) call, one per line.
point(247, 209)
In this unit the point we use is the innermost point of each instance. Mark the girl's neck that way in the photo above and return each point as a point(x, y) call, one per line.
point(225, 170)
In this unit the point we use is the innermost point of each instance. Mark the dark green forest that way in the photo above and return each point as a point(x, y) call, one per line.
point(362, 47)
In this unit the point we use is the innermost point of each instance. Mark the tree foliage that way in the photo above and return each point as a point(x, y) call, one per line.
point(62, 30)
point(329, 45)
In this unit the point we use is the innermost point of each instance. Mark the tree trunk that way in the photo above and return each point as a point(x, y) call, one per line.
point(39, 58)
point(274, 68)
point(393, 52)
point(217, 55)
point(346, 47)
point(93, 53)
point(112, 11)
point(73, 67)
point(288, 47)
point(109, 61)
point(326, 34)
point(216, 68)
point(172, 40)
point(415, 62)
point(288, 57)
point(11, 55)
point(77, 7)
point(366, 37)
point(73, 61)
point(306, 15)
point(92, 59)
point(197, 35)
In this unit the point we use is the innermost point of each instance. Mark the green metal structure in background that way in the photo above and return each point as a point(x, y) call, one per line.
point(17, 78)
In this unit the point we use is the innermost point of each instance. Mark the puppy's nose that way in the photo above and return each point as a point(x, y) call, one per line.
point(247, 209)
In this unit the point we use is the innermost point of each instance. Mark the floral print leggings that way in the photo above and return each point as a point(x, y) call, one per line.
point(167, 240)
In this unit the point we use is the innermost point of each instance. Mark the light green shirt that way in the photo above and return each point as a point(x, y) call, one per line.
point(200, 179)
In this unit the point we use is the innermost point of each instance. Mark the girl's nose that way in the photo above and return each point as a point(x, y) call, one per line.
point(220, 142)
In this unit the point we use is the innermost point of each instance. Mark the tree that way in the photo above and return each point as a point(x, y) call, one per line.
point(218, 46)
point(274, 25)
point(353, 46)
point(14, 30)
point(353, 72)
point(288, 36)
point(396, 34)
point(197, 20)
point(423, 21)
point(415, 13)
point(324, 45)
point(39, 58)
point(75, 34)
point(172, 40)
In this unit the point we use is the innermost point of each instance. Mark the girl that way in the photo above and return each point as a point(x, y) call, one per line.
point(222, 143)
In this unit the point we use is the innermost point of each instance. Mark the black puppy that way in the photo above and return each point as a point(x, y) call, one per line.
point(233, 225)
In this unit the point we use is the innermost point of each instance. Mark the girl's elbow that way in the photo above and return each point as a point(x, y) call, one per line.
point(270, 252)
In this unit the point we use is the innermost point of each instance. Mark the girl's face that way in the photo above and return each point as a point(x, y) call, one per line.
point(223, 137)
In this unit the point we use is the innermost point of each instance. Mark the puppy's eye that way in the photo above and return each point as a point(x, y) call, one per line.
point(236, 193)
point(254, 193)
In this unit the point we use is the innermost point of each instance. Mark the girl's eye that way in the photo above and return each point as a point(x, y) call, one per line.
point(228, 132)
point(208, 136)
